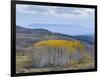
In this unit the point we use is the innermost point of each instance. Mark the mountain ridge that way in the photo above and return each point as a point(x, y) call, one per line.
point(46, 34)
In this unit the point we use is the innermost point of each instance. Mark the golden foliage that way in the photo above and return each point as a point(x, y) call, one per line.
point(71, 45)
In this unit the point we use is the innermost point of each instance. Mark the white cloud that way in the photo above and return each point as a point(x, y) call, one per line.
point(78, 16)
point(60, 11)
point(24, 9)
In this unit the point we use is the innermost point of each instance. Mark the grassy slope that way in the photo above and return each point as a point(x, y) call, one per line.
point(26, 38)
point(24, 62)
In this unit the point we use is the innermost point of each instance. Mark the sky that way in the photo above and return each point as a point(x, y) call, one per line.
point(66, 20)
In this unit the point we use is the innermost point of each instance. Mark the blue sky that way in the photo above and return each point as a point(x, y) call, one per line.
point(66, 20)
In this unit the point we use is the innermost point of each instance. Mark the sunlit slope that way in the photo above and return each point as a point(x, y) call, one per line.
point(71, 45)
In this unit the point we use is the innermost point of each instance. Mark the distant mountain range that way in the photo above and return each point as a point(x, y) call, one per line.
point(26, 37)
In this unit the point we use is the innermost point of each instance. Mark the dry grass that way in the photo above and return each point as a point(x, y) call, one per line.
point(24, 62)
point(23, 65)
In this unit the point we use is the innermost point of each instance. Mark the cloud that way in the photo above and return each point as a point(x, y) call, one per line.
point(52, 15)
point(57, 11)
